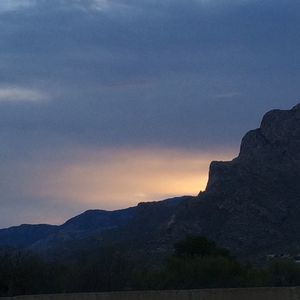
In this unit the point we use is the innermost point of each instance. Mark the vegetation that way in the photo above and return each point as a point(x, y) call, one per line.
point(195, 263)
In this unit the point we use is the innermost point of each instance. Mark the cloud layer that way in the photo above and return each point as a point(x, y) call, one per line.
point(19, 94)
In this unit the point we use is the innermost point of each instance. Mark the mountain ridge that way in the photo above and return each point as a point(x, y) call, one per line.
point(250, 205)
point(42, 237)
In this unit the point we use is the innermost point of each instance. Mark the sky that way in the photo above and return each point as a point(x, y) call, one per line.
point(108, 103)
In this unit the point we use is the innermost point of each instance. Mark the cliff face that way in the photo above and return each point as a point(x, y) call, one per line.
point(271, 150)
point(252, 203)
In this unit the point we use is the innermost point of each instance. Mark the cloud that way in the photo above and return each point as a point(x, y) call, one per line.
point(228, 95)
point(11, 5)
point(19, 94)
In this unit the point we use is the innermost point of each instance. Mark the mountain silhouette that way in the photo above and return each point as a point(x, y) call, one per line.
point(251, 205)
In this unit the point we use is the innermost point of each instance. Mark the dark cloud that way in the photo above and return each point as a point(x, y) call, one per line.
point(137, 72)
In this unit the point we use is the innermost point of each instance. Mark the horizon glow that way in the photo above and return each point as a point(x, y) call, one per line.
point(113, 179)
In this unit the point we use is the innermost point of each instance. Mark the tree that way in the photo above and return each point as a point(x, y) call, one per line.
point(199, 246)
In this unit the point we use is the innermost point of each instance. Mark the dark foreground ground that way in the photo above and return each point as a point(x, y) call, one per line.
point(289, 293)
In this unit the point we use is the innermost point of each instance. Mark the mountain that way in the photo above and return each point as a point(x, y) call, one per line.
point(92, 223)
point(251, 206)
point(256, 196)
point(25, 235)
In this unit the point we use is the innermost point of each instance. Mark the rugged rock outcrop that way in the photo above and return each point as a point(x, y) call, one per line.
point(252, 204)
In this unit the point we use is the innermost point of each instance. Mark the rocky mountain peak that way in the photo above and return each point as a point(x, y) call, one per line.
point(274, 145)
point(256, 195)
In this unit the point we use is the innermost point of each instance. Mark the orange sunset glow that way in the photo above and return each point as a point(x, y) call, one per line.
point(113, 179)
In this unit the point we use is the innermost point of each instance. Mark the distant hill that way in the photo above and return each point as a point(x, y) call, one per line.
point(250, 206)
point(25, 235)
point(92, 223)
